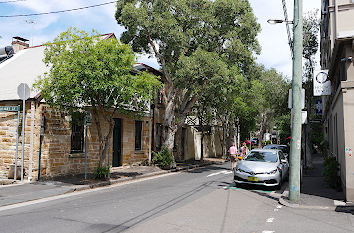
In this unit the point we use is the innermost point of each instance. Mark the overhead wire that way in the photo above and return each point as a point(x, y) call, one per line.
point(10, 1)
point(56, 12)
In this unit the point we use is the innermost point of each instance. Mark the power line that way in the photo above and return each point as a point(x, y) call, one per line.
point(56, 12)
point(12, 1)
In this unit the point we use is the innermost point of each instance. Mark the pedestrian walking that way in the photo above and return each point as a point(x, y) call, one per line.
point(244, 150)
point(233, 156)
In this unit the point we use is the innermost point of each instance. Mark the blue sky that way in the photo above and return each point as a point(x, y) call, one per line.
point(273, 39)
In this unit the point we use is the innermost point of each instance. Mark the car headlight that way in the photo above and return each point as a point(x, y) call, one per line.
point(272, 172)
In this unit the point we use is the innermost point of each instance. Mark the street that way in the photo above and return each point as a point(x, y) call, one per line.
point(200, 200)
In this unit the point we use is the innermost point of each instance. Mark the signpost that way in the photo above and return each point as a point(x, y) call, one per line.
point(40, 142)
point(14, 109)
point(23, 92)
point(88, 122)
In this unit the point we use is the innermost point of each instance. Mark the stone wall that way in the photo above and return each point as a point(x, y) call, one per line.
point(56, 159)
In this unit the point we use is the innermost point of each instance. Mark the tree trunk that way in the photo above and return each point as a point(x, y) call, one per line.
point(179, 146)
point(103, 139)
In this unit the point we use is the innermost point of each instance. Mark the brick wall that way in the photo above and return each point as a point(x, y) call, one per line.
point(56, 159)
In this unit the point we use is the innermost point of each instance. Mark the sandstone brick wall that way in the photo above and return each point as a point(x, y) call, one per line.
point(56, 159)
point(8, 125)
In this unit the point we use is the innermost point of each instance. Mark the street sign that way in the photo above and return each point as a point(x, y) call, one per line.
point(304, 118)
point(23, 91)
point(321, 84)
point(9, 108)
point(290, 99)
point(88, 119)
point(318, 107)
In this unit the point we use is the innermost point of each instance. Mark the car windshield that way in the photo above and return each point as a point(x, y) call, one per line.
point(262, 156)
point(278, 147)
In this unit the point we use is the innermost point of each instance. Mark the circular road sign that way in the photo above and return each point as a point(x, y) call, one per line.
point(23, 91)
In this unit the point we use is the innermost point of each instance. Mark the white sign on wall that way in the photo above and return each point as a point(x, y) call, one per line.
point(321, 84)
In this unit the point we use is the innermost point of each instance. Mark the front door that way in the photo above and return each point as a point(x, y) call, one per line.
point(117, 143)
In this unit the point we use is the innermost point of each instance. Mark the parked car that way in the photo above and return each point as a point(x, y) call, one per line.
point(268, 167)
point(283, 148)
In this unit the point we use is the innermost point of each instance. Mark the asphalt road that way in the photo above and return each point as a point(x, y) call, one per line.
point(201, 200)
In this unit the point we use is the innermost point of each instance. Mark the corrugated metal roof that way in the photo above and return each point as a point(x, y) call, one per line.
point(23, 67)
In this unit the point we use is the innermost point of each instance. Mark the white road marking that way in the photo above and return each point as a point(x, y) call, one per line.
point(270, 220)
point(275, 210)
point(268, 231)
point(279, 206)
point(218, 173)
point(339, 203)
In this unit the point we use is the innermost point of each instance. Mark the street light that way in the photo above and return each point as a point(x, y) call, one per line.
point(275, 21)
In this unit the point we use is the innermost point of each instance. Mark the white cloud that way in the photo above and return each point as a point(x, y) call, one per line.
point(273, 38)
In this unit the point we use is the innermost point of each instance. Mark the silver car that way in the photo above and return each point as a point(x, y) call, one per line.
point(266, 167)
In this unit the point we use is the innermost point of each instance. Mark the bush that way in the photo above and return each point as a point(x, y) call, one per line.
point(330, 170)
point(163, 158)
point(102, 172)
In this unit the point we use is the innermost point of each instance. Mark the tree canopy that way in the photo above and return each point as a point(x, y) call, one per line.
point(196, 42)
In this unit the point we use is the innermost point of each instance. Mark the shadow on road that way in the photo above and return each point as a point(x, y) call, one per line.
point(206, 169)
point(154, 211)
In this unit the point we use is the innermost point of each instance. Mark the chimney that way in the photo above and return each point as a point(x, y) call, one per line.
point(19, 43)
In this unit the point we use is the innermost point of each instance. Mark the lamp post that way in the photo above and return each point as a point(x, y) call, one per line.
point(295, 144)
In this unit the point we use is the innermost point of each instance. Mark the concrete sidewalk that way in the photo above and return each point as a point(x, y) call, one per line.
point(19, 193)
point(315, 192)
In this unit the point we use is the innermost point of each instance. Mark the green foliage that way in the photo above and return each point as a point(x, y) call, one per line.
point(269, 93)
point(101, 172)
point(87, 70)
point(198, 43)
point(330, 170)
point(163, 158)
point(283, 124)
point(324, 147)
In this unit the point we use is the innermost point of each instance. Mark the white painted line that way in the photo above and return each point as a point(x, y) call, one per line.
point(268, 231)
point(218, 173)
point(279, 206)
point(270, 220)
point(339, 203)
point(275, 210)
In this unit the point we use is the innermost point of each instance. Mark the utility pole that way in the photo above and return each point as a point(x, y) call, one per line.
point(295, 145)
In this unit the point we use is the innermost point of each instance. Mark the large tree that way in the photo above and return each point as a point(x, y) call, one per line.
point(269, 96)
point(88, 72)
point(194, 41)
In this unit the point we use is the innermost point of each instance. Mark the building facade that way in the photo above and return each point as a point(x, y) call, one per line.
point(337, 52)
point(62, 148)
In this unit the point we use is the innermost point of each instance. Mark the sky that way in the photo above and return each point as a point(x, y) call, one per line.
point(273, 38)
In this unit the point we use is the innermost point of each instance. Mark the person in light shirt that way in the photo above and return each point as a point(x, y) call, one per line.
point(244, 150)
point(233, 156)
